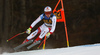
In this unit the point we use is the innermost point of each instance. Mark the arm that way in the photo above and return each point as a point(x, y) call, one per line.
point(53, 25)
point(36, 21)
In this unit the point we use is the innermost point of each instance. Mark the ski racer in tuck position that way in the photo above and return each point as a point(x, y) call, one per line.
point(47, 28)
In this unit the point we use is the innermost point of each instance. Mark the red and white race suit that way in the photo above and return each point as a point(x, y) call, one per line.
point(48, 26)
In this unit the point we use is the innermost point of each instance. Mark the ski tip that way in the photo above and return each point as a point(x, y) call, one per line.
point(7, 40)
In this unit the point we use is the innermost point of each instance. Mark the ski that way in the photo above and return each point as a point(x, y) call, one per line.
point(18, 47)
point(33, 44)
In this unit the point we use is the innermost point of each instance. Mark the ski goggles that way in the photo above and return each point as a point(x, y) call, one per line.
point(47, 13)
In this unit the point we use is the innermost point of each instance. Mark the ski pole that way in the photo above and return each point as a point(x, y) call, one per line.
point(40, 44)
point(44, 42)
point(16, 35)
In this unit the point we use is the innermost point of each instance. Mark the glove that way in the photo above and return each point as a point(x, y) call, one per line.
point(28, 31)
point(48, 35)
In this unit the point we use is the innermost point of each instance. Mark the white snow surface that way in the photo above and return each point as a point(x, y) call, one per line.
point(76, 50)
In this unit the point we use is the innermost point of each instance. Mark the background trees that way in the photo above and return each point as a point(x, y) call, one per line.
point(82, 17)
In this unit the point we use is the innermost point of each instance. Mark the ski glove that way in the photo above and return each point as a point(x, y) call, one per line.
point(28, 31)
point(48, 35)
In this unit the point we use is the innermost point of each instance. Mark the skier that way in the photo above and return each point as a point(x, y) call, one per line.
point(47, 28)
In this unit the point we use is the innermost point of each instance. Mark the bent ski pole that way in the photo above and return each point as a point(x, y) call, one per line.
point(16, 35)
point(40, 44)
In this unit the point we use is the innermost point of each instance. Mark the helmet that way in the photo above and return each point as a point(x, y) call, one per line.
point(47, 10)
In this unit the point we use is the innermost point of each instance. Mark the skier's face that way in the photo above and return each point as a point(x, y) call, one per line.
point(48, 14)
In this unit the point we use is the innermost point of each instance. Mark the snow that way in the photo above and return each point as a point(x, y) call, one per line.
point(76, 50)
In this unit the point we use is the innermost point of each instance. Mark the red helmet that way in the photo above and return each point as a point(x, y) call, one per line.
point(47, 10)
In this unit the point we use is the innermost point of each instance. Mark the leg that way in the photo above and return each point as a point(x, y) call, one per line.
point(44, 31)
point(32, 35)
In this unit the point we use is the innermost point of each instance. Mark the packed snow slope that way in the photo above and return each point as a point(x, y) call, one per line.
point(77, 50)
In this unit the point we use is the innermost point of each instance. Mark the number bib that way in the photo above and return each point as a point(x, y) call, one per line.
point(47, 21)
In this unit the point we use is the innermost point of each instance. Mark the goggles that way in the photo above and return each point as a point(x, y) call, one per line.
point(47, 13)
